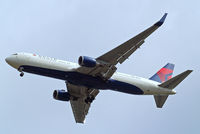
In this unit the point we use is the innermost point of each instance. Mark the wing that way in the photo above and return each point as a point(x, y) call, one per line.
point(79, 102)
point(119, 54)
point(122, 52)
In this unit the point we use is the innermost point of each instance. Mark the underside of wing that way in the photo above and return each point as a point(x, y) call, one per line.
point(80, 110)
point(81, 100)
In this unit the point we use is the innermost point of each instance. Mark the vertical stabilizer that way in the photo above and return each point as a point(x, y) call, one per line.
point(164, 73)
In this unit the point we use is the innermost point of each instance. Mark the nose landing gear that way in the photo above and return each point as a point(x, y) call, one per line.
point(21, 70)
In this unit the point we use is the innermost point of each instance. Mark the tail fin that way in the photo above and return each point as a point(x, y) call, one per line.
point(164, 73)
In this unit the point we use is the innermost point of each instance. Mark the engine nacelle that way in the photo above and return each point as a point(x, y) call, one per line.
point(61, 95)
point(87, 61)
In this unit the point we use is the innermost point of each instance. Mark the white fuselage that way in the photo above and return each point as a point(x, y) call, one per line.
point(42, 65)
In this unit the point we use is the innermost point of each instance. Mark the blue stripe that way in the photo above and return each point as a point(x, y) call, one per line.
point(80, 79)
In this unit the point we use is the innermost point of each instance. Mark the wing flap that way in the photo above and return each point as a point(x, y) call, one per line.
point(128, 53)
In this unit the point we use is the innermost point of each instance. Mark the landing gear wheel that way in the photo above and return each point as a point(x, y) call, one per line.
point(21, 74)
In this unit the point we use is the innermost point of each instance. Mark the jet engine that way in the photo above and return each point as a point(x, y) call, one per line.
point(87, 61)
point(61, 95)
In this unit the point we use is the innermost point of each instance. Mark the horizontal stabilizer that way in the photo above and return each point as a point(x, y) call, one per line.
point(173, 82)
point(160, 100)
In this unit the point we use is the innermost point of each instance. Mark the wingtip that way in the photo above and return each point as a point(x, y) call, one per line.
point(190, 71)
point(161, 21)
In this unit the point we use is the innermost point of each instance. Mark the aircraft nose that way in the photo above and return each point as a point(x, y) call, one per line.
point(12, 61)
point(9, 60)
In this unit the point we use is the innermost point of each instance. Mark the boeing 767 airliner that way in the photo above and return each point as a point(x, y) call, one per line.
point(85, 79)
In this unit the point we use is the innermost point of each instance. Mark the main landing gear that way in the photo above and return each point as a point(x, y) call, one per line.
point(21, 70)
point(89, 99)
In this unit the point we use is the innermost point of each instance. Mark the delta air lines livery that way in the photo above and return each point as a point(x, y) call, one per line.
point(86, 79)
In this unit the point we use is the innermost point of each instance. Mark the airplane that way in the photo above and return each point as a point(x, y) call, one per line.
point(85, 79)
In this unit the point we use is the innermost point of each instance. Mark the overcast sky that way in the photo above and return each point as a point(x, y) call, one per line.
point(67, 29)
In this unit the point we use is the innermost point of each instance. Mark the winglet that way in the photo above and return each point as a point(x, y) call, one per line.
point(161, 21)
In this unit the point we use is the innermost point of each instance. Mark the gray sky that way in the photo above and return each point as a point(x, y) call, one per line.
point(66, 29)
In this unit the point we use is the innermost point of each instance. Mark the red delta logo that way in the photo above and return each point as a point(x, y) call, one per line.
point(165, 74)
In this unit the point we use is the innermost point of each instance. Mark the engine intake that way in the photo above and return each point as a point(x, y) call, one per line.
point(87, 61)
point(61, 95)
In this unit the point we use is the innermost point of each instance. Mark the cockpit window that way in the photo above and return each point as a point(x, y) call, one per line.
point(15, 54)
